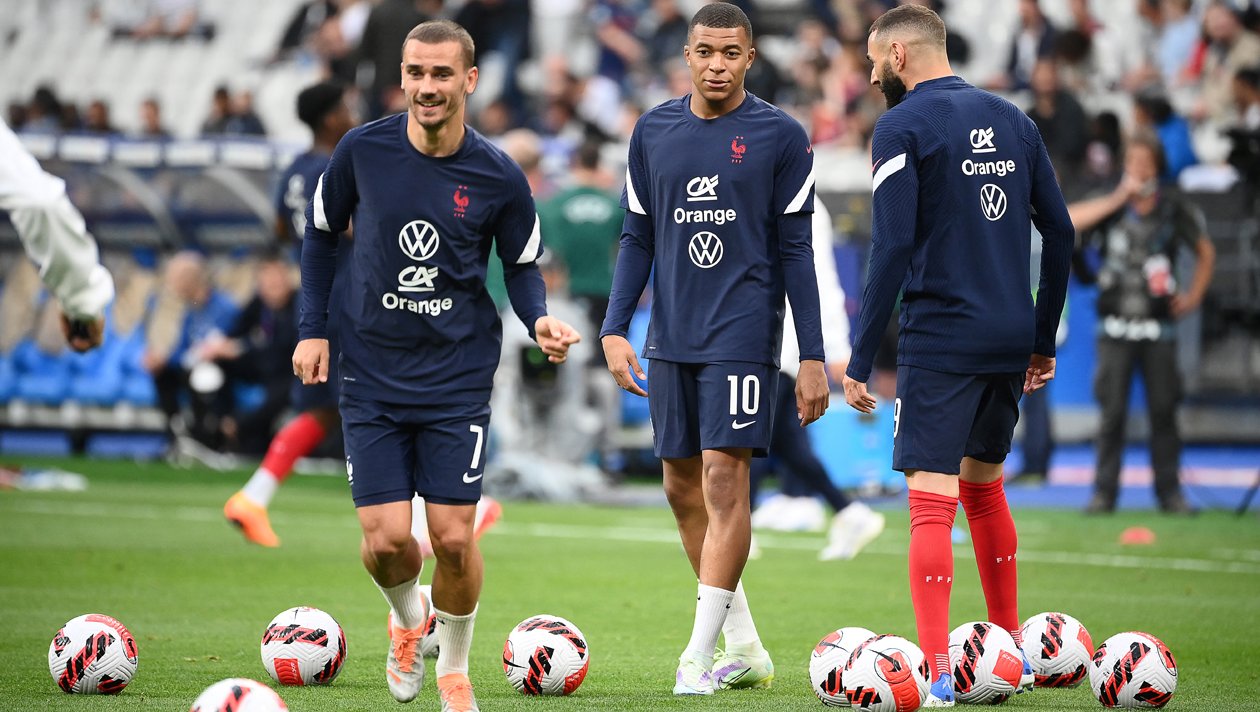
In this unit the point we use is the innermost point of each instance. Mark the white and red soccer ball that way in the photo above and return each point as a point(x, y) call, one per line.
point(303, 646)
point(1133, 671)
point(238, 695)
point(986, 663)
point(826, 664)
point(886, 673)
point(545, 655)
point(1058, 649)
point(93, 655)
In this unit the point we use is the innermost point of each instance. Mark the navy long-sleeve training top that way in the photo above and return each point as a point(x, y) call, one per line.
point(959, 176)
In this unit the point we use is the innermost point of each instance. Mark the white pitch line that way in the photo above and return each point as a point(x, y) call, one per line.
point(650, 535)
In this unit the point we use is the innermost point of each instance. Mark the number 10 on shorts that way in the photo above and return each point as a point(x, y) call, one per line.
point(751, 393)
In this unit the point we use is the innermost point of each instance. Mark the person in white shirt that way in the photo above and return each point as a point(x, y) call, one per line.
point(57, 241)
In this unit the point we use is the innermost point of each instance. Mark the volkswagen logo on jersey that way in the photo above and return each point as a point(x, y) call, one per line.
point(992, 201)
point(702, 188)
point(705, 249)
point(982, 140)
point(419, 240)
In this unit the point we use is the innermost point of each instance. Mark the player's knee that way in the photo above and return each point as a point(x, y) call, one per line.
point(384, 544)
point(451, 545)
point(727, 492)
point(681, 493)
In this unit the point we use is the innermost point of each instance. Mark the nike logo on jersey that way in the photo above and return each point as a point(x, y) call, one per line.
point(740, 426)
point(470, 480)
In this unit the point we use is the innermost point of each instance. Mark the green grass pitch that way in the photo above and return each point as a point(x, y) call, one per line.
point(147, 545)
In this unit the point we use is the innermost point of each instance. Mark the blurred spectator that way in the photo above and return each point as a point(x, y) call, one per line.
point(167, 18)
point(1102, 156)
point(97, 120)
point(306, 22)
point(233, 116)
point(257, 349)
point(244, 120)
point(210, 315)
point(668, 36)
point(151, 120)
point(763, 79)
point(814, 52)
point(1247, 98)
point(1152, 112)
point(18, 115)
point(220, 113)
point(500, 31)
point(1230, 47)
point(619, 50)
point(381, 46)
point(1139, 230)
point(495, 120)
point(1179, 33)
point(582, 223)
point(556, 24)
point(524, 147)
point(1033, 41)
point(1059, 117)
point(44, 112)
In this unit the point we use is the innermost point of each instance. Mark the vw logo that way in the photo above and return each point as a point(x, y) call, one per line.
point(419, 240)
point(705, 249)
point(992, 201)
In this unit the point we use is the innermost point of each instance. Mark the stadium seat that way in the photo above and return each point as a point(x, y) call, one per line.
point(43, 378)
point(8, 378)
point(634, 409)
point(137, 385)
point(98, 374)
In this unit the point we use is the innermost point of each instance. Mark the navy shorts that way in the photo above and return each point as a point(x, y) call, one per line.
point(940, 418)
point(394, 452)
point(704, 406)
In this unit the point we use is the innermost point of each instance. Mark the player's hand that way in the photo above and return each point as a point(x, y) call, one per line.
point(1040, 372)
point(1181, 304)
point(856, 396)
point(812, 392)
point(621, 362)
point(310, 361)
point(83, 334)
point(555, 337)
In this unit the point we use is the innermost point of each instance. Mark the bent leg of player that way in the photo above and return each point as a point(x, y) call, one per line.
point(247, 509)
point(392, 555)
point(456, 589)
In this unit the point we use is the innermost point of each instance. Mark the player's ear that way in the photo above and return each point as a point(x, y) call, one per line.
point(472, 80)
point(752, 54)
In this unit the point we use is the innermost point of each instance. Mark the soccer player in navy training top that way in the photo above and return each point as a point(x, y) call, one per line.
point(323, 108)
point(719, 192)
point(420, 337)
point(959, 174)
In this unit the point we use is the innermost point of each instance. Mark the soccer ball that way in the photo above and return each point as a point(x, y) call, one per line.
point(93, 655)
point(303, 646)
point(986, 663)
point(429, 643)
point(886, 673)
point(239, 695)
point(1058, 649)
point(826, 664)
point(1133, 671)
point(545, 655)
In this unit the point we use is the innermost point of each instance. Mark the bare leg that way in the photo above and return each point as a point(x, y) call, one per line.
point(730, 517)
point(459, 573)
point(684, 488)
point(390, 554)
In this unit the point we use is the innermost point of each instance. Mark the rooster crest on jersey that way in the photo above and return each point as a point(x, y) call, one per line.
point(737, 150)
point(461, 201)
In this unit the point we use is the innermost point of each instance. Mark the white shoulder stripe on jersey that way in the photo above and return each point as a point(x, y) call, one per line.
point(631, 197)
point(321, 220)
point(533, 248)
point(893, 165)
point(799, 201)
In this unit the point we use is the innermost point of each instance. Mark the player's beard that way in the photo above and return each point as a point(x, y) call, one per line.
point(891, 85)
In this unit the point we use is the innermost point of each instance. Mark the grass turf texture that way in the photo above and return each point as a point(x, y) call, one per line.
point(147, 544)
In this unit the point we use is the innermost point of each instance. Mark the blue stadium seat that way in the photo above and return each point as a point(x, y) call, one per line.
point(137, 385)
point(98, 374)
point(8, 378)
point(41, 378)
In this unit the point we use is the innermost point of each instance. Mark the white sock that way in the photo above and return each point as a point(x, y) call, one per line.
point(407, 603)
point(712, 605)
point(261, 487)
point(739, 629)
point(454, 639)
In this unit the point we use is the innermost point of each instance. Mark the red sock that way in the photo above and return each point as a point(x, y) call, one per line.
point(932, 573)
point(297, 439)
point(995, 541)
